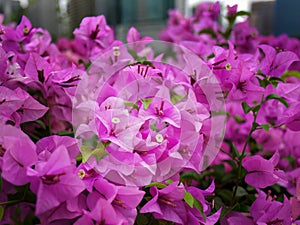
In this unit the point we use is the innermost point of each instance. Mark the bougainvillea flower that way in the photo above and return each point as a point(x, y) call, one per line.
point(208, 9)
point(295, 201)
point(116, 204)
point(275, 64)
point(24, 209)
point(290, 116)
point(39, 42)
point(212, 219)
point(94, 34)
point(102, 212)
point(167, 203)
point(231, 10)
point(245, 37)
point(162, 109)
point(147, 118)
point(46, 146)
point(127, 168)
point(269, 211)
point(88, 175)
point(31, 109)
point(37, 68)
point(234, 218)
point(201, 194)
point(67, 211)
point(54, 181)
point(18, 153)
point(24, 27)
point(261, 172)
point(179, 28)
point(118, 126)
point(10, 102)
point(134, 36)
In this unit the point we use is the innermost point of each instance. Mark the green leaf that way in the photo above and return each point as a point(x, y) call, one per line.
point(246, 107)
point(225, 194)
point(141, 219)
point(93, 141)
point(210, 56)
point(86, 65)
point(198, 205)
point(243, 13)
point(146, 102)
point(143, 61)
point(87, 151)
point(240, 192)
point(266, 127)
point(65, 133)
point(153, 127)
point(157, 184)
point(169, 181)
point(218, 202)
point(276, 97)
point(292, 73)
point(1, 212)
point(239, 119)
point(192, 175)
point(219, 113)
point(31, 219)
point(42, 124)
point(263, 82)
point(256, 108)
point(208, 31)
point(175, 98)
point(276, 79)
point(131, 104)
point(230, 162)
point(255, 125)
point(291, 159)
point(233, 149)
point(133, 53)
point(189, 199)
point(79, 158)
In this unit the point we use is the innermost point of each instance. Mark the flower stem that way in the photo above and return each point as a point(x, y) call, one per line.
point(254, 127)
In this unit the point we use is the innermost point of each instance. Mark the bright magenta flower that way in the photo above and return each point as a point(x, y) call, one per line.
point(262, 172)
point(54, 181)
point(167, 203)
point(269, 211)
point(275, 64)
point(17, 154)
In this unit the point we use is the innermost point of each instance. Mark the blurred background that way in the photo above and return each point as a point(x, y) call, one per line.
point(61, 17)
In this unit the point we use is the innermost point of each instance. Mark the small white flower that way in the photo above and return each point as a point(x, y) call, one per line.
point(116, 53)
point(228, 66)
point(81, 173)
point(159, 138)
point(116, 50)
point(115, 120)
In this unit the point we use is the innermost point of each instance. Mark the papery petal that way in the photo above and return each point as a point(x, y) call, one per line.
point(282, 62)
point(257, 163)
point(260, 179)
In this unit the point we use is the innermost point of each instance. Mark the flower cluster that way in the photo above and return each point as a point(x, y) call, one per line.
point(97, 131)
point(259, 77)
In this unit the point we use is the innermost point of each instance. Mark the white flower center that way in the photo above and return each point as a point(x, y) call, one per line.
point(159, 138)
point(115, 120)
point(81, 173)
point(116, 50)
point(228, 66)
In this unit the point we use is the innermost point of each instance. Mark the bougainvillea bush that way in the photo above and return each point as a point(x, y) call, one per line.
point(201, 127)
